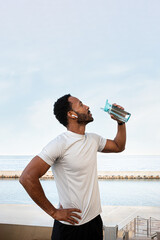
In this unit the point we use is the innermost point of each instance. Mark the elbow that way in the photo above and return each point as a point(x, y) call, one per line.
point(24, 178)
point(27, 179)
point(121, 149)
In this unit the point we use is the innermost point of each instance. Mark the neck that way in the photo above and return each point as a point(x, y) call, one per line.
point(79, 129)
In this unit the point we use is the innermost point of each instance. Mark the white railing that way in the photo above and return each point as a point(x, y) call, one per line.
point(139, 228)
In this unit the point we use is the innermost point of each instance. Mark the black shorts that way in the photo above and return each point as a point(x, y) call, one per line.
point(92, 230)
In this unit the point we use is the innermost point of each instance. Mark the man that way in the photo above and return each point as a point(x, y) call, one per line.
point(73, 158)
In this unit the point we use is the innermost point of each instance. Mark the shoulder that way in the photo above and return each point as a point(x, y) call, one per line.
point(54, 149)
point(56, 144)
point(100, 141)
point(93, 135)
point(59, 138)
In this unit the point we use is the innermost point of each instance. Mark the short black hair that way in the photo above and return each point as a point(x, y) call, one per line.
point(61, 107)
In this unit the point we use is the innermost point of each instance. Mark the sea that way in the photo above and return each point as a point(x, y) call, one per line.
point(122, 192)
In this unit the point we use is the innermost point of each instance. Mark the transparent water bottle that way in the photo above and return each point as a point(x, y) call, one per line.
point(117, 112)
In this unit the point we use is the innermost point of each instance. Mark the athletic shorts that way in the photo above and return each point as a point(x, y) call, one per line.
point(93, 230)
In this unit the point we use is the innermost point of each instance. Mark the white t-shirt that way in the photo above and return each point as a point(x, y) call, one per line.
point(73, 158)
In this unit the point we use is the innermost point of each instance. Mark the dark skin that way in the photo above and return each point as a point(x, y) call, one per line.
point(78, 118)
point(79, 109)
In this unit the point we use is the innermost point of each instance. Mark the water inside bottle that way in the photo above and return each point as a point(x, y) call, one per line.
point(118, 113)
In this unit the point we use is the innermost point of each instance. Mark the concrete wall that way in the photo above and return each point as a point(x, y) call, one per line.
point(22, 232)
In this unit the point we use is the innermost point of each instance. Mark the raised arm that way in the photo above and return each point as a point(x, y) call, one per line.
point(119, 142)
point(30, 181)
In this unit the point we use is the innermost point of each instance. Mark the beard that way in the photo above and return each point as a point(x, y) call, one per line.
point(84, 119)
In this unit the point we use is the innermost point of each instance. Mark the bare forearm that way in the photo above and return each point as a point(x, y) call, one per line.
point(120, 138)
point(35, 191)
point(30, 181)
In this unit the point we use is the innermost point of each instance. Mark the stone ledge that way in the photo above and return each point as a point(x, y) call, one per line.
point(101, 174)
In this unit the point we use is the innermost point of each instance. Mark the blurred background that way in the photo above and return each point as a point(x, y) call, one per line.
point(94, 50)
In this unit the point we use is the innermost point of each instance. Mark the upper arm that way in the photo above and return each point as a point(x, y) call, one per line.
point(36, 168)
point(110, 147)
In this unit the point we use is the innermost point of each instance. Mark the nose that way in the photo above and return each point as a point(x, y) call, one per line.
point(86, 107)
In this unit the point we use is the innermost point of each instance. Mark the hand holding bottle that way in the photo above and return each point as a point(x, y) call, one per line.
point(117, 112)
point(112, 116)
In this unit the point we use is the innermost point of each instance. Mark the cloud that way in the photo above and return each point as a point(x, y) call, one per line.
point(95, 51)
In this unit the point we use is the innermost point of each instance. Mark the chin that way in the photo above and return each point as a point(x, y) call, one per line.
point(90, 120)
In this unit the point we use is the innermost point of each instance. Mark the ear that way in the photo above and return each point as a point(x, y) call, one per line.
point(72, 114)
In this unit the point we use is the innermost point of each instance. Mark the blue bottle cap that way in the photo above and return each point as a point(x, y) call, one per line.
point(107, 106)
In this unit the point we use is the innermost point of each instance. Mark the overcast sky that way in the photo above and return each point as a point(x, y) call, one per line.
point(94, 50)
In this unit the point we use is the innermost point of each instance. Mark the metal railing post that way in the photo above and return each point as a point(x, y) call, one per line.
point(126, 235)
point(110, 233)
point(147, 227)
point(158, 235)
point(134, 227)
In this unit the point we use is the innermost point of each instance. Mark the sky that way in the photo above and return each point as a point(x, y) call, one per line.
point(94, 50)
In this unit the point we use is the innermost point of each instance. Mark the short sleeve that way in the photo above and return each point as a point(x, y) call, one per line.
point(101, 142)
point(52, 151)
